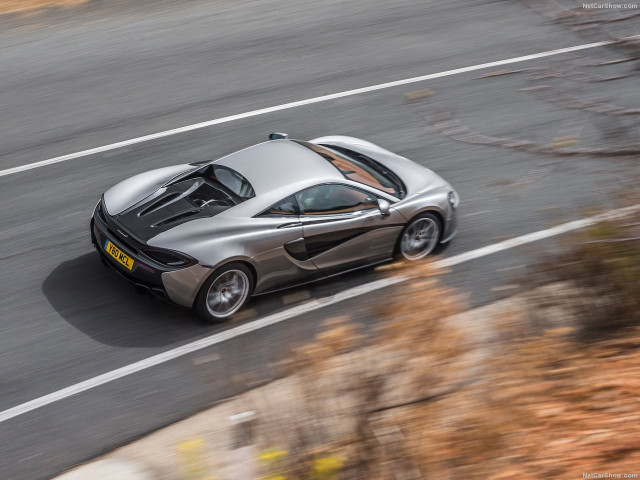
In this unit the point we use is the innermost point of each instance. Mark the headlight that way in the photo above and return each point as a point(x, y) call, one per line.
point(453, 199)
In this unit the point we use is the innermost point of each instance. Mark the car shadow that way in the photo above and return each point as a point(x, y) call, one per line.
point(96, 301)
point(99, 303)
point(440, 250)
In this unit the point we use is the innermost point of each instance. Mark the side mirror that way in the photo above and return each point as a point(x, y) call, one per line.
point(278, 136)
point(384, 206)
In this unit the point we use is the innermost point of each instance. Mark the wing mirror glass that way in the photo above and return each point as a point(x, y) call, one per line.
point(278, 136)
point(384, 206)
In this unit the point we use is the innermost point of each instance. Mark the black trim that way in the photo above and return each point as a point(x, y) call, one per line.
point(336, 217)
point(123, 236)
point(147, 285)
point(182, 201)
point(158, 203)
point(297, 249)
point(290, 225)
point(266, 212)
point(146, 272)
point(207, 170)
point(323, 242)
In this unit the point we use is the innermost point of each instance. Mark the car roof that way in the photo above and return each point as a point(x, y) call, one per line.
point(275, 164)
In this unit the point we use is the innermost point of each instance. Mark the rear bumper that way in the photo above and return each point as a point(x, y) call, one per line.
point(145, 281)
point(182, 286)
point(176, 286)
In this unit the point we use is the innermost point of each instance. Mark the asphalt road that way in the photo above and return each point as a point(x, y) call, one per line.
point(99, 75)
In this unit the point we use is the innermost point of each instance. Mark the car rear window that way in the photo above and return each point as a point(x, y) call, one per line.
point(233, 181)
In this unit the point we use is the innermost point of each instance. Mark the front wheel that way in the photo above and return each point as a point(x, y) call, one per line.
point(420, 236)
point(225, 292)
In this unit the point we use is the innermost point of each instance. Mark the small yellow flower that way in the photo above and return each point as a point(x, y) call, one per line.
point(272, 455)
point(192, 460)
point(567, 141)
point(189, 446)
point(323, 467)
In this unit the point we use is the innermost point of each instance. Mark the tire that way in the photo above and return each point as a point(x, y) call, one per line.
point(413, 244)
point(225, 292)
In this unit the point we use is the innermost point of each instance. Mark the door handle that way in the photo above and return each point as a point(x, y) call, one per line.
point(290, 225)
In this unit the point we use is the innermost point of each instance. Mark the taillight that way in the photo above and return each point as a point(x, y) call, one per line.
point(100, 211)
point(144, 267)
point(168, 258)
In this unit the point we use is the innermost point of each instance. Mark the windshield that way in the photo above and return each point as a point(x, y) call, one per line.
point(360, 168)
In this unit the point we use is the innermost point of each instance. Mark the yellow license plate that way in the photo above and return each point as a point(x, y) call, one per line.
point(121, 257)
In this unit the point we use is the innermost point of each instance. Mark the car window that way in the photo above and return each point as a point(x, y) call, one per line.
point(288, 206)
point(233, 181)
point(332, 198)
point(360, 168)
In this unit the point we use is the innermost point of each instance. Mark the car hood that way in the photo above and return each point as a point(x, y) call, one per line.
point(415, 177)
point(137, 188)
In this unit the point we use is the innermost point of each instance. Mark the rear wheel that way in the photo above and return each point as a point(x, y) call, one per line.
point(225, 292)
point(420, 236)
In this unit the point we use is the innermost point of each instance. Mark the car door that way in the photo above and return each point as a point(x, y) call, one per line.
point(283, 258)
point(344, 228)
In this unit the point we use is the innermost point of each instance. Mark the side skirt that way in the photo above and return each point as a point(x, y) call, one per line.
point(317, 279)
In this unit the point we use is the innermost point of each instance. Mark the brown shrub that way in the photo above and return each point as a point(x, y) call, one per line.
point(424, 399)
point(601, 265)
point(16, 6)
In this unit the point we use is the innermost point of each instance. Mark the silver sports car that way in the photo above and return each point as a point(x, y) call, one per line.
point(211, 234)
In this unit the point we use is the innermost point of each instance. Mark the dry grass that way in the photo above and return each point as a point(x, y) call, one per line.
point(500, 392)
point(350, 390)
point(602, 266)
point(424, 400)
point(547, 408)
point(28, 6)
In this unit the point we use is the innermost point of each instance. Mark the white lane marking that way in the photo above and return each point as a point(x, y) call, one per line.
point(300, 310)
point(535, 236)
point(473, 214)
point(299, 103)
point(194, 346)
